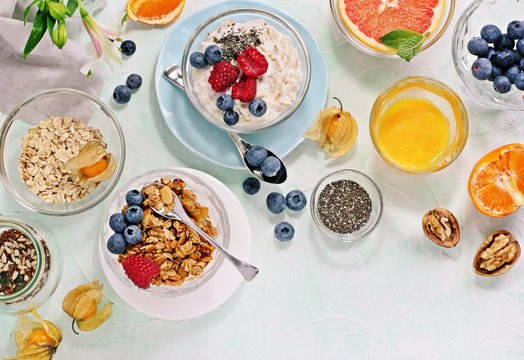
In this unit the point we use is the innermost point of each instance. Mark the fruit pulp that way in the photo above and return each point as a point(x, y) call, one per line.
point(413, 133)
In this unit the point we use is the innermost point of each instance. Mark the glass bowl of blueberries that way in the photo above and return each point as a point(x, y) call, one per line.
point(488, 50)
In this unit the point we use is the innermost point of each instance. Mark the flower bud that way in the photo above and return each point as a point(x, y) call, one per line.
point(59, 34)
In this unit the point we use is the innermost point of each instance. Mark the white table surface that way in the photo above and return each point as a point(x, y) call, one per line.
point(395, 295)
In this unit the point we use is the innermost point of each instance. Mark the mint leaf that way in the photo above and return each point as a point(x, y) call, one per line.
point(407, 43)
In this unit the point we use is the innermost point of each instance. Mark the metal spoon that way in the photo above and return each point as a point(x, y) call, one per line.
point(247, 270)
point(173, 74)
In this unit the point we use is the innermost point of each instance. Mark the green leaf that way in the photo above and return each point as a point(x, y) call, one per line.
point(57, 10)
point(38, 31)
point(28, 10)
point(407, 43)
point(124, 19)
point(72, 5)
point(50, 25)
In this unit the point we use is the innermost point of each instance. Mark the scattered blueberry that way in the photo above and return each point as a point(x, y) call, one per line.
point(519, 81)
point(134, 197)
point(117, 223)
point(122, 94)
point(504, 59)
point(520, 47)
point(515, 30)
point(276, 203)
point(198, 60)
point(481, 68)
point(213, 54)
point(251, 186)
point(271, 166)
point(134, 214)
point(116, 244)
point(502, 84)
point(257, 107)
point(296, 200)
point(133, 234)
point(284, 231)
point(128, 47)
point(134, 81)
point(225, 102)
point(504, 42)
point(490, 33)
point(256, 155)
point(512, 72)
point(231, 117)
point(495, 71)
point(478, 46)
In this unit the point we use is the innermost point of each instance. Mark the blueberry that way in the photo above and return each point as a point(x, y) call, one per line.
point(495, 71)
point(502, 84)
point(504, 59)
point(251, 186)
point(117, 223)
point(489, 54)
point(134, 214)
point(516, 56)
point(122, 94)
point(490, 33)
point(231, 117)
point(519, 81)
point(271, 166)
point(134, 81)
point(128, 47)
point(284, 231)
point(504, 42)
point(134, 197)
point(276, 203)
point(481, 68)
point(116, 244)
point(225, 102)
point(133, 234)
point(478, 46)
point(520, 47)
point(516, 30)
point(198, 60)
point(256, 155)
point(213, 54)
point(512, 72)
point(296, 200)
point(258, 107)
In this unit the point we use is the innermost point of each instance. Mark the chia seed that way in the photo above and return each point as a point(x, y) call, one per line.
point(344, 206)
point(234, 41)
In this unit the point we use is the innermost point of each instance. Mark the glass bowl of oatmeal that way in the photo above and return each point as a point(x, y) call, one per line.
point(62, 152)
point(186, 262)
point(282, 87)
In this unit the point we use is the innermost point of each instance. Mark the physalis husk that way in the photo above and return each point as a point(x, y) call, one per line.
point(82, 304)
point(36, 338)
point(335, 130)
point(93, 164)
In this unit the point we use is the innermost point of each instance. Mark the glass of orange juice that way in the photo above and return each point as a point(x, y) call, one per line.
point(418, 125)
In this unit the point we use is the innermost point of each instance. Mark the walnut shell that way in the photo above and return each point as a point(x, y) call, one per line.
point(497, 254)
point(441, 227)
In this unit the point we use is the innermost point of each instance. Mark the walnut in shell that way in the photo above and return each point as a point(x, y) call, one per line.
point(497, 254)
point(441, 227)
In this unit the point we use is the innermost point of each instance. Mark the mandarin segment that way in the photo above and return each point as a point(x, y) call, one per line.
point(154, 12)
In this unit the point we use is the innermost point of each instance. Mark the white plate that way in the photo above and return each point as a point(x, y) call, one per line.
point(212, 293)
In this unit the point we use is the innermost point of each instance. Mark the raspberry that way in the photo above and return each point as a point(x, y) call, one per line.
point(140, 270)
point(245, 89)
point(223, 76)
point(252, 62)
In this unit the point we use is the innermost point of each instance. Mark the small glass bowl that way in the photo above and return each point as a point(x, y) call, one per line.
point(240, 15)
point(476, 15)
point(448, 102)
point(374, 194)
point(205, 196)
point(58, 102)
point(48, 270)
point(447, 14)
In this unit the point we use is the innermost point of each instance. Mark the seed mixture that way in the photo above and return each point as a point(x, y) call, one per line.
point(344, 206)
point(234, 41)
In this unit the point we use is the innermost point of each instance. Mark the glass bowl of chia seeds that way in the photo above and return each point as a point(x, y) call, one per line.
point(346, 205)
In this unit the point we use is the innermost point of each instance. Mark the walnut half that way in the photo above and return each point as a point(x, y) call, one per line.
point(441, 227)
point(497, 254)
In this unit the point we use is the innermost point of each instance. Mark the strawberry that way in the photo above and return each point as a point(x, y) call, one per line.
point(140, 270)
point(223, 76)
point(245, 89)
point(252, 62)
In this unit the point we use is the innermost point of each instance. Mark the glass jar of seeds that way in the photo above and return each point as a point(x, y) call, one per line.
point(346, 205)
point(30, 263)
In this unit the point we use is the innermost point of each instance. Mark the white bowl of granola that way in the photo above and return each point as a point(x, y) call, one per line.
point(62, 152)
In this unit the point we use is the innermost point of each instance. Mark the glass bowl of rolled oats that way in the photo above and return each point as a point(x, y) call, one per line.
point(185, 261)
point(62, 152)
point(30, 263)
